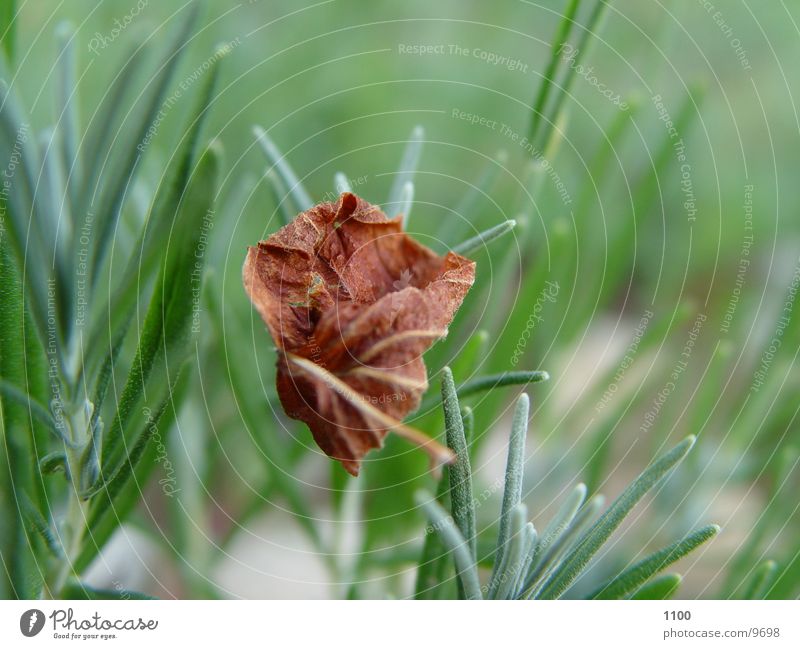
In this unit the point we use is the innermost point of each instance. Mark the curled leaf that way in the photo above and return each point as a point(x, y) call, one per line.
point(352, 302)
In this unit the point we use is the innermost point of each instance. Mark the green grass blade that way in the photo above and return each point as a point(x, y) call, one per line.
point(662, 587)
point(163, 347)
point(482, 239)
point(127, 149)
point(300, 197)
point(584, 44)
point(454, 542)
point(512, 492)
point(633, 578)
point(546, 85)
point(17, 559)
point(461, 495)
point(147, 251)
point(67, 110)
point(406, 170)
point(107, 118)
point(762, 580)
point(572, 566)
point(26, 218)
point(167, 331)
point(8, 27)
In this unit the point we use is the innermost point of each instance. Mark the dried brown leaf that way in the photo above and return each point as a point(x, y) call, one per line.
point(352, 302)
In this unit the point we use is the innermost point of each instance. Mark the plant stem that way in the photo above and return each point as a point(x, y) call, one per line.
point(74, 524)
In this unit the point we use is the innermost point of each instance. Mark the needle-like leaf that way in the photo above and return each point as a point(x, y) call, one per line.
point(512, 492)
point(454, 541)
point(572, 566)
point(406, 170)
point(461, 496)
point(480, 240)
point(300, 197)
point(630, 579)
point(662, 587)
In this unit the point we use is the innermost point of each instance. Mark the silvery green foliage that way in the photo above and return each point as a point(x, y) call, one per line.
point(73, 449)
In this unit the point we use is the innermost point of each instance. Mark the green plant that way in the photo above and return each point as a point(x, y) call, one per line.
point(526, 564)
point(631, 277)
point(74, 444)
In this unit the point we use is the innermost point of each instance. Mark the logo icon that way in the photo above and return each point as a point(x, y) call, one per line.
point(31, 622)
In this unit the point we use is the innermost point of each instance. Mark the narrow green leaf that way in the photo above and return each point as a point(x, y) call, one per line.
point(512, 492)
point(38, 525)
point(572, 566)
point(341, 183)
point(584, 44)
point(630, 579)
point(514, 556)
point(548, 553)
point(146, 253)
point(68, 125)
point(53, 463)
point(762, 581)
point(433, 561)
point(22, 366)
point(8, 26)
point(105, 517)
point(662, 587)
point(531, 538)
point(454, 541)
point(34, 409)
point(406, 170)
point(107, 117)
point(565, 515)
point(461, 496)
point(406, 201)
point(167, 331)
point(561, 522)
point(470, 356)
point(464, 213)
point(127, 148)
point(546, 85)
point(468, 420)
point(489, 382)
point(59, 222)
point(480, 240)
point(285, 204)
point(300, 197)
point(26, 220)
point(483, 383)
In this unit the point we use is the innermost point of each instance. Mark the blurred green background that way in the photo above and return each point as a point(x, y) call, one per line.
point(261, 512)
